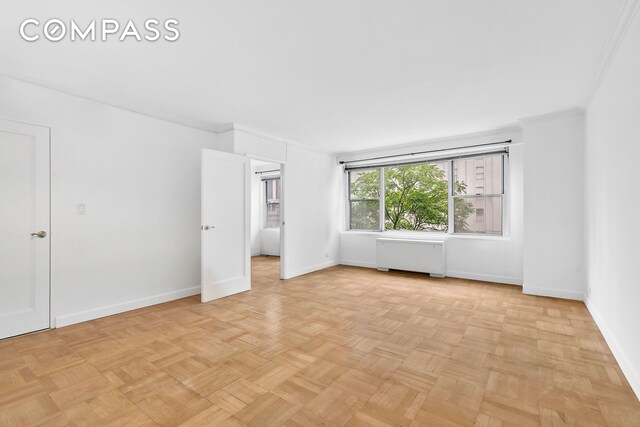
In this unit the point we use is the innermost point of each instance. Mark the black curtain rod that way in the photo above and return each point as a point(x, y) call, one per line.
point(342, 162)
point(272, 170)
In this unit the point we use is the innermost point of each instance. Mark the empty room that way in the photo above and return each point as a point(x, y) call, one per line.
point(319, 213)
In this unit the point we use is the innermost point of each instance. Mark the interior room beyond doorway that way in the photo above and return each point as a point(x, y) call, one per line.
point(266, 192)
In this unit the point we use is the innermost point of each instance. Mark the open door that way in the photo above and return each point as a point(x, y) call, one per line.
point(225, 229)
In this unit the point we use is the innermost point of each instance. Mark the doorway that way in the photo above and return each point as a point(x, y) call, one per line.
point(24, 228)
point(266, 220)
point(242, 216)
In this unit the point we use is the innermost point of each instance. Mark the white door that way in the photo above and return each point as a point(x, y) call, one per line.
point(226, 247)
point(24, 228)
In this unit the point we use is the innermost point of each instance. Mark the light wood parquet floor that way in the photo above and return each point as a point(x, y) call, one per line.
point(343, 346)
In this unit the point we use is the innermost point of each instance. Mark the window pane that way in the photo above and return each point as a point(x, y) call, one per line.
point(365, 215)
point(364, 184)
point(273, 190)
point(272, 203)
point(417, 197)
point(478, 215)
point(478, 175)
point(273, 215)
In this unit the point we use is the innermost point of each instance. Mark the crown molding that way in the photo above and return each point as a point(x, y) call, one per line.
point(216, 128)
point(577, 111)
point(131, 107)
point(513, 128)
point(616, 37)
point(288, 142)
point(224, 128)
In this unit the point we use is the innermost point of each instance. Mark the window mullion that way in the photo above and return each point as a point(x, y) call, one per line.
point(506, 220)
point(451, 206)
point(348, 210)
point(476, 196)
point(381, 201)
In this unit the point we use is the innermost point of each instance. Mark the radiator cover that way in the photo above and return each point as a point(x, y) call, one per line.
point(423, 256)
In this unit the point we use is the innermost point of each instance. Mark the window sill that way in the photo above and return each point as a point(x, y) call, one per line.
point(424, 235)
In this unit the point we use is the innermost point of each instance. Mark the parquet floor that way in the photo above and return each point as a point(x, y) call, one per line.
point(343, 346)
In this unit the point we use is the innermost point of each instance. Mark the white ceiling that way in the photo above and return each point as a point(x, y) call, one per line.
point(333, 74)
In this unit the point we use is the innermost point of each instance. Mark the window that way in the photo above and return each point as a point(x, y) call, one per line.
point(417, 197)
point(364, 200)
point(272, 199)
point(478, 197)
point(455, 196)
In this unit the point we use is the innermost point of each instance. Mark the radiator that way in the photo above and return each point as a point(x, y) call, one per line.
point(423, 256)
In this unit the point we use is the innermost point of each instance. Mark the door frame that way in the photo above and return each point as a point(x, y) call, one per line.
point(282, 204)
point(43, 133)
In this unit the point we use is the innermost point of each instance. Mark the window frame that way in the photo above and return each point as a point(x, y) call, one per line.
point(453, 196)
point(379, 200)
point(503, 195)
point(266, 181)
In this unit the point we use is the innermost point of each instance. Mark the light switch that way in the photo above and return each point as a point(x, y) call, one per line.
point(81, 209)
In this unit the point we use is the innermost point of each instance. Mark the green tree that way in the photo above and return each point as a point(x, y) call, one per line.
point(462, 209)
point(365, 213)
point(416, 198)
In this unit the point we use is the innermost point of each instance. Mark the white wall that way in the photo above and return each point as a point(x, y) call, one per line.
point(139, 242)
point(490, 258)
point(256, 202)
point(245, 142)
point(553, 209)
point(139, 177)
point(612, 206)
point(311, 205)
point(312, 211)
point(270, 241)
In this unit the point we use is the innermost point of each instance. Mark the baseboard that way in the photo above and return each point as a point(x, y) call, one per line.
point(307, 270)
point(627, 367)
point(508, 280)
point(457, 274)
point(225, 288)
point(554, 293)
point(256, 253)
point(109, 310)
point(364, 264)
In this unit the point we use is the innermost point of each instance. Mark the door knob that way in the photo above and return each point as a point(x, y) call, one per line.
point(40, 234)
point(207, 227)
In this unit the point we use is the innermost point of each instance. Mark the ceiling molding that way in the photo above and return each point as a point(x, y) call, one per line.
point(149, 112)
point(616, 37)
point(225, 128)
point(578, 111)
point(133, 108)
point(241, 128)
point(516, 127)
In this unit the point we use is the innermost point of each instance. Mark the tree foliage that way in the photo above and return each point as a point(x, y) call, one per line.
point(416, 198)
point(365, 214)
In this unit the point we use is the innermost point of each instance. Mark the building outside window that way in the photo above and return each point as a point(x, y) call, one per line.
point(272, 203)
point(478, 194)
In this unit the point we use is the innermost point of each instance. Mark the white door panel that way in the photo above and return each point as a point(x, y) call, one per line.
point(24, 209)
point(225, 231)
